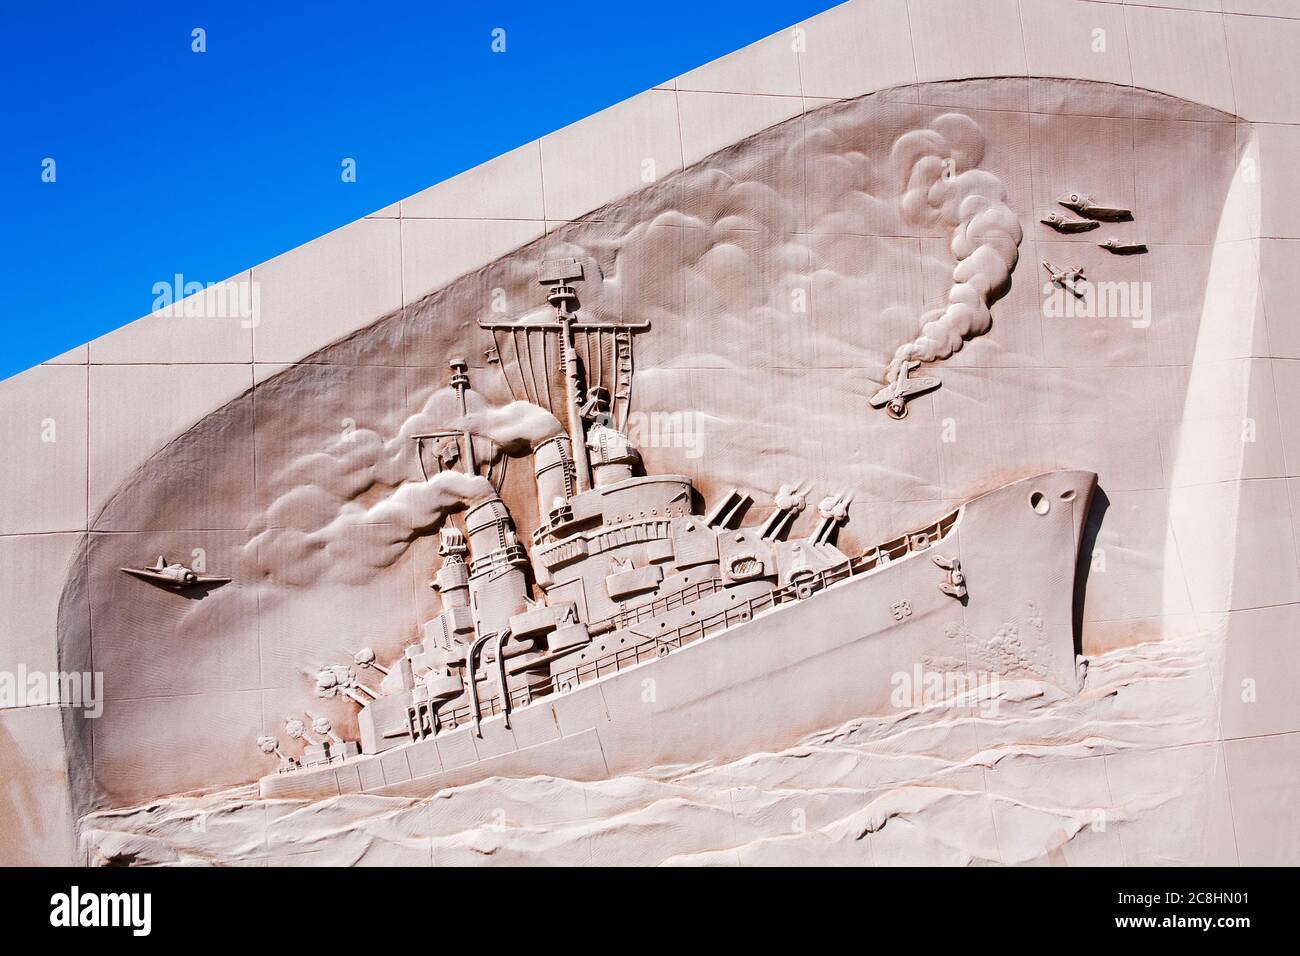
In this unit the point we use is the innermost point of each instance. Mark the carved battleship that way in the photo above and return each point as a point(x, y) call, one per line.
point(641, 632)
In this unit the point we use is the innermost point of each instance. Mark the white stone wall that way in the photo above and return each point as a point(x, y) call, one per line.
point(1232, 505)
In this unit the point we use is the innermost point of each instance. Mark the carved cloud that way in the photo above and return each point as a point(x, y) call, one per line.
point(354, 507)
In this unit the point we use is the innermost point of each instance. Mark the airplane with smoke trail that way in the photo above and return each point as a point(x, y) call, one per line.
point(895, 394)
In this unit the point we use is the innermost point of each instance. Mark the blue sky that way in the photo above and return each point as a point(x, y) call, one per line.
point(169, 161)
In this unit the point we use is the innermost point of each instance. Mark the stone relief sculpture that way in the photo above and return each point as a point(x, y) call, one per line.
point(894, 396)
point(1089, 207)
point(607, 624)
point(1065, 224)
point(944, 187)
point(1122, 247)
point(176, 576)
point(1067, 279)
point(630, 574)
point(1097, 213)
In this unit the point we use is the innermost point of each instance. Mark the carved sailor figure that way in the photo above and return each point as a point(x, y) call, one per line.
point(954, 583)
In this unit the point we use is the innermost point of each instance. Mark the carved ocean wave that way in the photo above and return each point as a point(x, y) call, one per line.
point(1126, 771)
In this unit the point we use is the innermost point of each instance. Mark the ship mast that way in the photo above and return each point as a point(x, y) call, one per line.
point(556, 275)
point(563, 297)
point(460, 382)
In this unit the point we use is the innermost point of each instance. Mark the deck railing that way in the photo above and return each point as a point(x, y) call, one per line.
point(423, 722)
point(687, 595)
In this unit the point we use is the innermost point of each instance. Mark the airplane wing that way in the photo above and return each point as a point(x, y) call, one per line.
point(915, 385)
point(149, 574)
point(881, 397)
point(154, 576)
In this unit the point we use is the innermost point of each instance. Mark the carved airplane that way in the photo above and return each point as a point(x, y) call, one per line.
point(1066, 224)
point(1066, 278)
point(1121, 247)
point(1085, 205)
point(894, 396)
point(175, 576)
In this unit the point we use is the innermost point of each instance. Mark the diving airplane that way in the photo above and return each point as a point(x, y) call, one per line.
point(175, 576)
point(895, 394)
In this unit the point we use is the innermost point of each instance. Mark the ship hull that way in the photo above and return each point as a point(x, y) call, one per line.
point(866, 645)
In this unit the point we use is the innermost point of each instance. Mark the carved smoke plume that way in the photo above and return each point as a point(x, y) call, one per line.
point(355, 506)
point(515, 428)
point(942, 186)
point(327, 537)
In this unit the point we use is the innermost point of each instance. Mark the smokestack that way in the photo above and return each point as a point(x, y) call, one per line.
point(554, 469)
point(498, 586)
